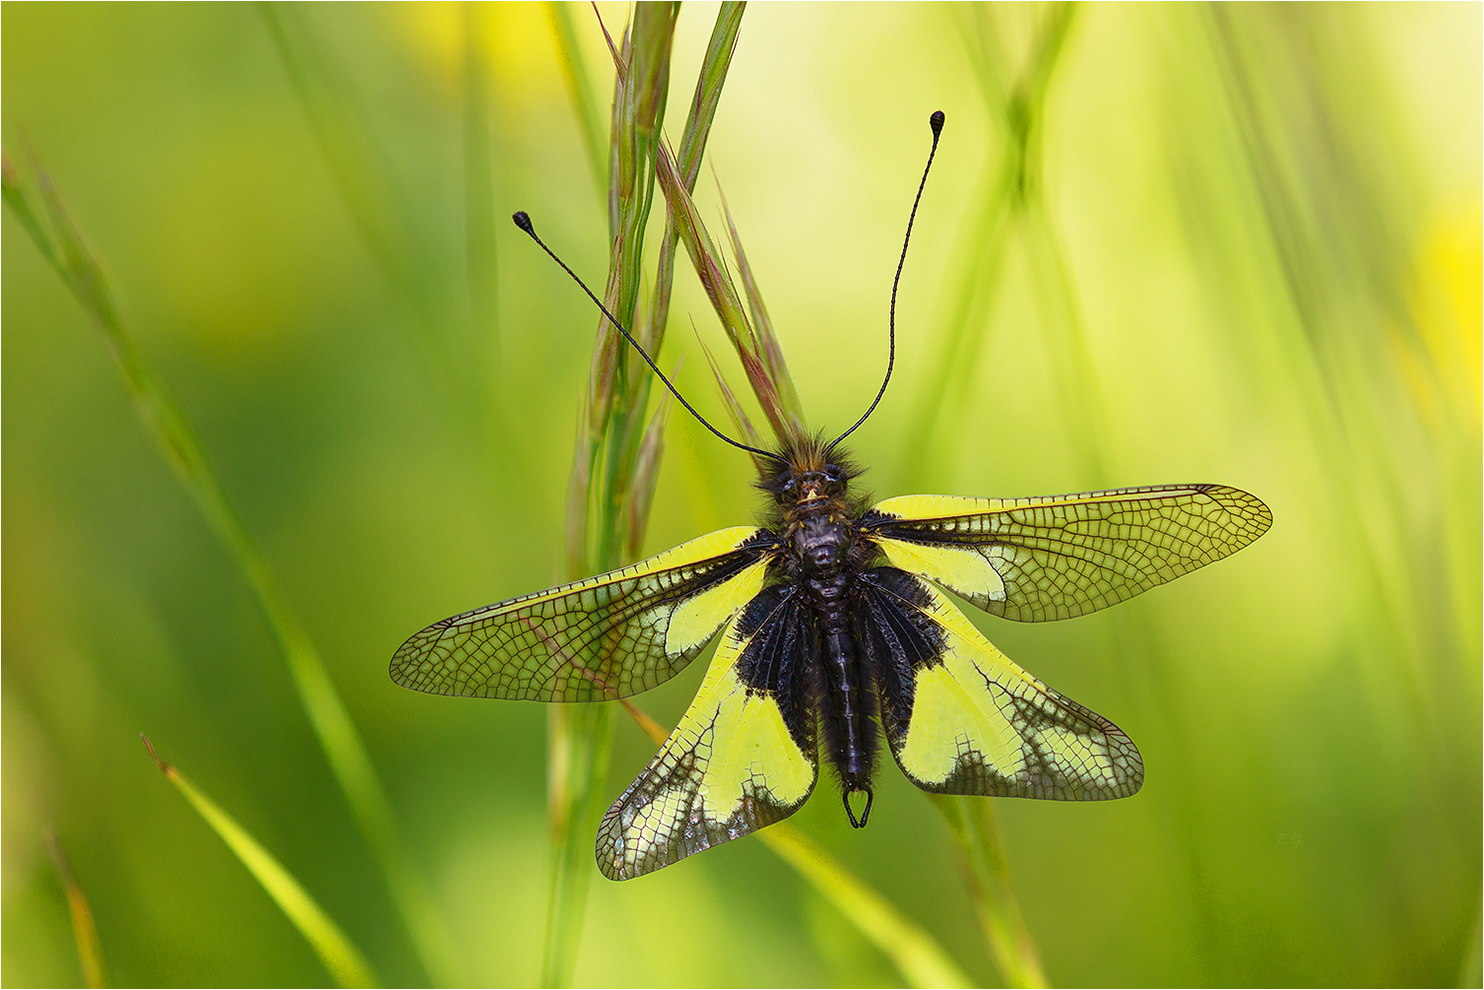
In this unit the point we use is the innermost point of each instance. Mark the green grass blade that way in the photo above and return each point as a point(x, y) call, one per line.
point(974, 280)
point(707, 260)
point(1066, 338)
point(1010, 204)
point(84, 929)
point(975, 827)
point(356, 167)
point(713, 76)
point(20, 208)
point(745, 430)
point(1009, 187)
point(918, 956)
point(580, 88)
point(1471, 969)
point(327, 714)
point(335, 950)
point(480, 260)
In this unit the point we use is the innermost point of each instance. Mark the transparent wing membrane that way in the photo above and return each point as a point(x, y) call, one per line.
point(1059, 556)
point(606, 637)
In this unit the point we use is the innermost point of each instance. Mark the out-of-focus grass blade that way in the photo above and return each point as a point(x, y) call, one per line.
point(579, 742)
point(1004, 212)
point(341, 958)
point(1311, 139)
point(479, 193)
point(1471, 972)
point(1060, 307)
point(975, 269)
point(918, 956)
point(1328, 169)
point(89, 952)
point(580, 87)
point(975, 827)
point(383, 215)
point(356, 166)
point(1011, 203)
point(20, 208)
point(167, 426)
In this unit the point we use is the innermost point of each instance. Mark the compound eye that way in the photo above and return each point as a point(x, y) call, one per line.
point(790, 486)
point(833, 473)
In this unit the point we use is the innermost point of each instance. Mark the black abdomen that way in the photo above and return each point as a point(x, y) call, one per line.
point(847, 698)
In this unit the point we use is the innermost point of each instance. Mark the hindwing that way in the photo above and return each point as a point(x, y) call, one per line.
point(1059, 556)
point(961, 718)
point(744, 756)
point(602, 638)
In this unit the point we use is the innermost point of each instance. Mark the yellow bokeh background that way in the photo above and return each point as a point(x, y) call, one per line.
point(1246, 250)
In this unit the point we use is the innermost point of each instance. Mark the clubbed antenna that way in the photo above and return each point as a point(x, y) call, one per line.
point(936, 123)
point(523, 221)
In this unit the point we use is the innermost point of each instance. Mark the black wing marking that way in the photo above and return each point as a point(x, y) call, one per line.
point(744, 756)
point(961, 718)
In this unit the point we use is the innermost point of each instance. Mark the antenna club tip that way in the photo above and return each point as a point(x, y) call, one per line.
point(523, 221)
point(936, 122)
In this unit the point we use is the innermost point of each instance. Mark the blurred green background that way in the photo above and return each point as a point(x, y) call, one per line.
point(1179, 243)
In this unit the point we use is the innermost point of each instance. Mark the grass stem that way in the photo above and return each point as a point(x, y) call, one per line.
point(607, 508)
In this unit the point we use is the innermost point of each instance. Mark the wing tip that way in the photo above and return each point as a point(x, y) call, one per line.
point(1252, 515)
point(405, 662)
point(612, 848)
point(613, 867)
point(1128, 762)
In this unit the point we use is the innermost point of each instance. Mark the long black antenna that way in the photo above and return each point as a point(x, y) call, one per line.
point(936, 123)
point(523, 221)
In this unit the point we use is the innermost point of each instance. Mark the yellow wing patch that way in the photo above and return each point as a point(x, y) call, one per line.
point(694, 621)
point(981, 725)
point(953, 567)
point(730, 767)
point(1059, 556)
point(605, 637)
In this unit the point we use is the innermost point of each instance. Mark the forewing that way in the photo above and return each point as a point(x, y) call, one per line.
point(1059, 556)
point(607, 637)
point(961, 718)
point(744, 756)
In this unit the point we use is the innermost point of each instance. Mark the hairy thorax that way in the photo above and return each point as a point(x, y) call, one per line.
point(817, 522)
